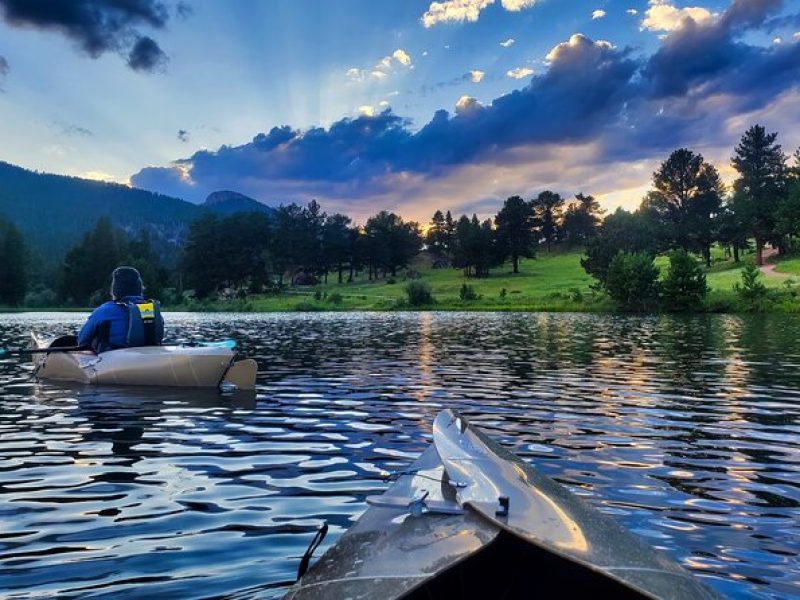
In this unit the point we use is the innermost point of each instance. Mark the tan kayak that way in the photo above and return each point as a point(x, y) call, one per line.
point(178, 366)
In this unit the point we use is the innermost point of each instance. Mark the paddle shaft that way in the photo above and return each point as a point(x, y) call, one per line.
point(24, 351)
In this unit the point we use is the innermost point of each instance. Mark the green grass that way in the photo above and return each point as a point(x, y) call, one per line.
point(550, 282)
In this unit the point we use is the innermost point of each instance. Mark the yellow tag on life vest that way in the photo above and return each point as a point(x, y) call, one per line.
point(147, 310)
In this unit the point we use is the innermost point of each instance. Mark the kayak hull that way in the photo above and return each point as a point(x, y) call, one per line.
point(519, 534)
point(168, 366)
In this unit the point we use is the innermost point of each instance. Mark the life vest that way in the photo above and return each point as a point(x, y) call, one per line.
point(145, 323)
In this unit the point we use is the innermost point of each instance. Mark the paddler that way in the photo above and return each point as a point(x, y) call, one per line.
point(126, 321)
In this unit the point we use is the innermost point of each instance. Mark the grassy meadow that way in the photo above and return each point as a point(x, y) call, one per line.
point(550, 282)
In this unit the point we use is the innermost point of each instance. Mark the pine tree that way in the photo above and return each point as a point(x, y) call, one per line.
point(761, 184)
point(515, 233)
point(13, 264)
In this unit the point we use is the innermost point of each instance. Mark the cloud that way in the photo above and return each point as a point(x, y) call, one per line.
point(4, 69)
point(476, 76)
point(519, 72)
point(402, 57)
point(508, 43)
point(367, 110)
point(575, 47)
point(467, 105)
point(661, 16)
point(454, 10)
point(632, 11)
point(98, 26)
point(598, 14)
point(70, 129)
point(711, 58)
point(585, 87)
point(596, 118)
point(383, 68)
point(459, 11)
point(146, 55)
point(183, 135)
point(517, 5)
point(796, 36)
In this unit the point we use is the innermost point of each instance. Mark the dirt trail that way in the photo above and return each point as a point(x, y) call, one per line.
point(768, 269)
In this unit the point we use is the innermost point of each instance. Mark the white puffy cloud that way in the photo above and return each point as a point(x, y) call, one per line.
point(476, 76)
point(598, 14)
point(777, 40)
point(367, 110)
point(454, 10)
point(517, 5)
point(661, 16)
point(796, 36)
point(467, 10)
point(402, 57)
point(354, 73)
point(508, 43)
point(378, 74)
point(577, 42)
point(383, 103)
point(632, 11)
point(519, 72)
point(467, 105)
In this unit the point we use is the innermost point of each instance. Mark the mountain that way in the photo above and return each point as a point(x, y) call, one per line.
point(226, 202)
point(54, 211)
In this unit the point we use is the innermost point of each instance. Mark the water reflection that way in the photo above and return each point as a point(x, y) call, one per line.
point(685, 429)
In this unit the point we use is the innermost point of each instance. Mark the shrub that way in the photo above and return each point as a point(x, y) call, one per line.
point(335, 298)
point(751, 291)
point(419, 293)
point(503, 294)
point(575, 295)
point(307, 307)
point(632, 281)
point(684, 286)
point(467, 293)
point(40, 297)
point(318, 295)
point(391, 281)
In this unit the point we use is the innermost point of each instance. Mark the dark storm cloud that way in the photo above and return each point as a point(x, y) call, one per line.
point(713, 55)
point(183, 135)
point(97, 26)
point(146, 55)
point(629, 107)
point(586, 85)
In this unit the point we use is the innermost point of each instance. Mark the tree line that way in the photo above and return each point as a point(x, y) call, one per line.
point(688, 209)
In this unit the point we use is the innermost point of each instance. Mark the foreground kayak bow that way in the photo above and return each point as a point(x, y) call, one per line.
point(471, 520)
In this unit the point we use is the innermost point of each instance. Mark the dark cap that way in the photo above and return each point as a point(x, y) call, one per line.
point(126, 281)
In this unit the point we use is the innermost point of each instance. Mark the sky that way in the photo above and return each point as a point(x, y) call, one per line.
point(393, 105)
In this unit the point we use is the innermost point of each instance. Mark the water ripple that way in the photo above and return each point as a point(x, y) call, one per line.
point(685, 429)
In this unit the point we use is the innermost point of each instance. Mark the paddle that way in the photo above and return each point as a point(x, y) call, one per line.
point(220, 344)
point(25, 351)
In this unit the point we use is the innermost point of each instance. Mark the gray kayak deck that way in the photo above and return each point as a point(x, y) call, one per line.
point(548, 539)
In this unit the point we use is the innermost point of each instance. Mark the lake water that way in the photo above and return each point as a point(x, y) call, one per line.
point(684, 429)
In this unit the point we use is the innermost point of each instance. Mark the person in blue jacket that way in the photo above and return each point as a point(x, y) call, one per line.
point(128, 320)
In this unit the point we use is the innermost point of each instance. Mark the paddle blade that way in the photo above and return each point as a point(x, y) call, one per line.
point(231, 344)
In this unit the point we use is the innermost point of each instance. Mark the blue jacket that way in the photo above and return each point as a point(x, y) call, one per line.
point(118, 318)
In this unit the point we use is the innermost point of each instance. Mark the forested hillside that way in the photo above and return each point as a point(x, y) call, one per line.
point(53, 212)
